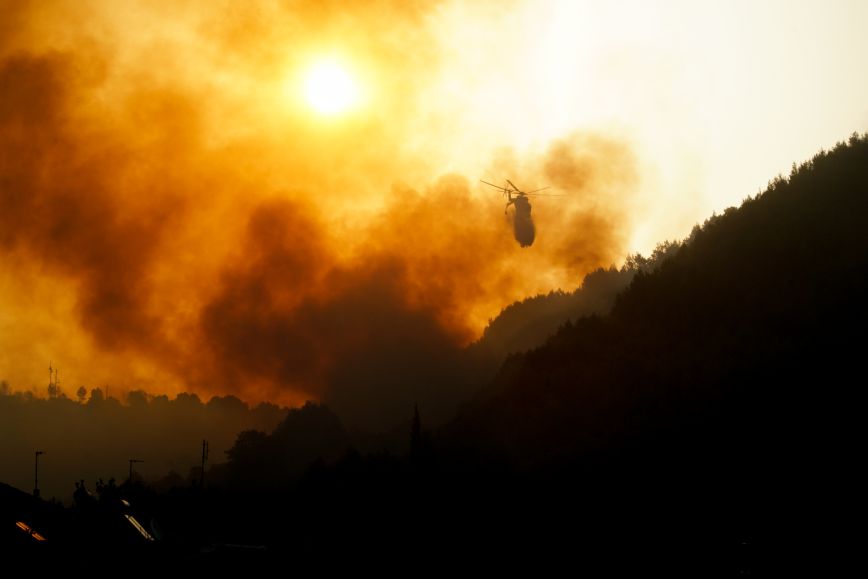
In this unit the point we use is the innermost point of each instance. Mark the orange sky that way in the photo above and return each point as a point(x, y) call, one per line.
point(178, 213)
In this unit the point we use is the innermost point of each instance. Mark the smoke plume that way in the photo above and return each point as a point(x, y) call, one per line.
point(171, 220)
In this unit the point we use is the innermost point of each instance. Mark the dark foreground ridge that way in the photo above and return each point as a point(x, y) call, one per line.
point(708, 426)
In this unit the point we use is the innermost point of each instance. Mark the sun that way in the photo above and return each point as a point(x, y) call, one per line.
point(330, 89)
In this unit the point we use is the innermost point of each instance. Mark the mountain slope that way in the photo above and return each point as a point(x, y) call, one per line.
point(527, 324)
point(740, 345)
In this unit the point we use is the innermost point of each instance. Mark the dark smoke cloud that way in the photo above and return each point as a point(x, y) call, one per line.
point(377, 333)
point(62, 204)
point(205, 246)
point(353, 335)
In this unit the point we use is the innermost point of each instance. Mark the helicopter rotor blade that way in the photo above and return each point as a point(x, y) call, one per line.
point(493, 185)
point(511, 188)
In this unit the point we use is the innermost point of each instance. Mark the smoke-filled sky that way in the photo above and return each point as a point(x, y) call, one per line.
point(281, 200)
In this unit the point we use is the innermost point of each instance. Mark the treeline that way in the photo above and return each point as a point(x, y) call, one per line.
point(527, 324)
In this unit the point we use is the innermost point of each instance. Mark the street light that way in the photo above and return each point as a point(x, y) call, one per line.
point(36, 472)
point(132, 460)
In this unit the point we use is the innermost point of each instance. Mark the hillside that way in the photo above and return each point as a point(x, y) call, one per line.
point(716, 412)
point(761, 309)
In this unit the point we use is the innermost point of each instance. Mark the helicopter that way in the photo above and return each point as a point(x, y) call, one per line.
point(523, 226)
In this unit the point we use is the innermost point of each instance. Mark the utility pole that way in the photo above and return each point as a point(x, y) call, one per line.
point(132, 460)
point(204, 458)
point(36, 472)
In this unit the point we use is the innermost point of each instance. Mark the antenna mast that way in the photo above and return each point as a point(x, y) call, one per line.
point(53, 382)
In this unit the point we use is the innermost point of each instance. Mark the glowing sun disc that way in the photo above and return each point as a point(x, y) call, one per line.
point(329, 89)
